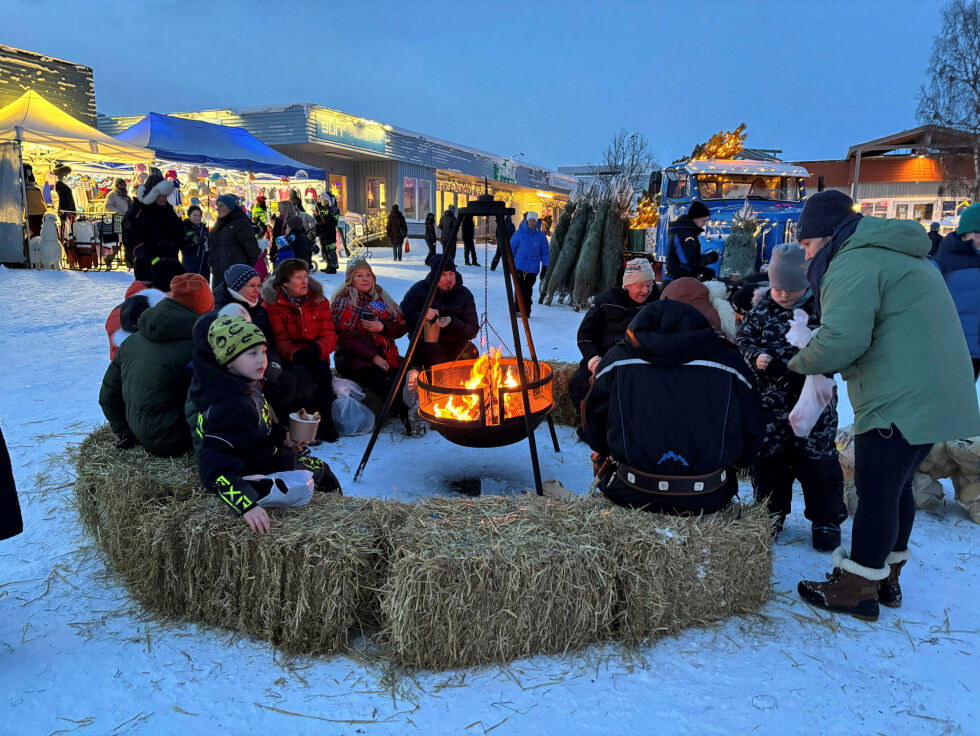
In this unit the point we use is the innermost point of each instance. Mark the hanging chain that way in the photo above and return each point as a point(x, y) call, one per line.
point(485, 327)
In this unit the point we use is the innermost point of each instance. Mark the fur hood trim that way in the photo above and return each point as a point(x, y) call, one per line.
point(718, 293)
point(758, 295)
point(164, 188)
point(271, 296)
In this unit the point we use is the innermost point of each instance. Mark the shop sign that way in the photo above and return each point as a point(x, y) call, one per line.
point(349, 130)
point(505, 170)
point(561, 181)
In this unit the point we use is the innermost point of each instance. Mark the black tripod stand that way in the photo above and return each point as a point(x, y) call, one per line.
point(484, 206)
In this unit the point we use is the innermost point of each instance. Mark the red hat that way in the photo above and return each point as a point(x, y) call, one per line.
point(136, 287)
point(192, 290)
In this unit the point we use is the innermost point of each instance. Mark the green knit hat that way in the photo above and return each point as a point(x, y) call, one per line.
point(229, 337)
point(969, 220)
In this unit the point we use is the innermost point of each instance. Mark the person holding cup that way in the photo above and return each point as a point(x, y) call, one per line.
point(245, 453)
point(368, 321)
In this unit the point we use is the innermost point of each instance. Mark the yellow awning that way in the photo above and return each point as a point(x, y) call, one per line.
point(50, 133)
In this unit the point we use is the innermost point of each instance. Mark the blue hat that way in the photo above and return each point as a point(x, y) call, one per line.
point(228, 200)
point(934, 226)
point(238, 275)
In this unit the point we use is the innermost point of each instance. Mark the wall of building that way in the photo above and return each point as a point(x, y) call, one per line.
point(64, 84)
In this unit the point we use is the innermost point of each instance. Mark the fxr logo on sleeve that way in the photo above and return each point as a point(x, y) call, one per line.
point(236, 499)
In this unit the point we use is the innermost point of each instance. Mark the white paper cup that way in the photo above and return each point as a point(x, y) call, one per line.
point(302, 430)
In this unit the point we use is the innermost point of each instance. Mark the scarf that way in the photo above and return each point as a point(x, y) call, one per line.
point(296, 301)
point(821, 261)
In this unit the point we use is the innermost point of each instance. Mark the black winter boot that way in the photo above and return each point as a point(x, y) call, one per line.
point(889, 590)
point(826, 536)
point(851, 588)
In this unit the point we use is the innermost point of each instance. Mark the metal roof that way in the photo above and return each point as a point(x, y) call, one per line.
point(741, 166)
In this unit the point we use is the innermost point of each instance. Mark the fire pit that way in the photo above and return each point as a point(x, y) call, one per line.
point(478, 403)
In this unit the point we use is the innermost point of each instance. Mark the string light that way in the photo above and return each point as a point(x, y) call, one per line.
point(647, 211)
point(723, 144)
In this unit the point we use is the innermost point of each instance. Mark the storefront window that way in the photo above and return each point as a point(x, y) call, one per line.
point(461, 201)
point(922, 212)
point(901, 212)
point(409, 203)
point(424, 197)
point(376, 200)
point(339, 186)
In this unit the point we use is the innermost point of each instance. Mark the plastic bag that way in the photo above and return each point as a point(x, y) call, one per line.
point(290, 489)
point(351, 417)
point(815, 397)
point(346, 387)
point(799, 333)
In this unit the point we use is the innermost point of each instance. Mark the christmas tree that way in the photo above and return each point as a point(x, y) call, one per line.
point(557, 239)
point(588, 268)
point(560, 281)
point(613, 245)
point(741, 244)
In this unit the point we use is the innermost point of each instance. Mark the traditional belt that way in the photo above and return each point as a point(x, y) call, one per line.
point(674, 485)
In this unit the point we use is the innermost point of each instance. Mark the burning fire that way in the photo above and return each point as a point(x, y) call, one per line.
point(487, 373)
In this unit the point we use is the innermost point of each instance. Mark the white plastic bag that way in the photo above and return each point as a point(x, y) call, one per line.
point(347, 387)
point(290, 489)
point(815, 397)
point(799, 333)
point(351, 417)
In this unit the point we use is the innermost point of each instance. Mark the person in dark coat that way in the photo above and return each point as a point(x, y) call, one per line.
point(296, 234)
point(447, 230)
point(145, 386)
point(674, 411)
point(605, 323)
point(194, 250)
point(242, 443)
point(684, 256)
point(325, 212)
point(935, 237)
point(468, 229)
point(397, 231)
point(66, 200)
point(510, 234)
point(453, 317)
point(152, 232)
point(958, 259)
point(430, 237)
point(11, 523)
point(232, 240)
point(784, 457)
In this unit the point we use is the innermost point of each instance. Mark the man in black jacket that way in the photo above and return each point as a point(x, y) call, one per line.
point(447, 227)
point(453, 311)
point(684, 256)
point(468, 228)
point(606, 321)
point(674, 409)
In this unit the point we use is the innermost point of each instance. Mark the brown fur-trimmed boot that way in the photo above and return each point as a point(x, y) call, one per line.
point(851, 588)
point(889, 590)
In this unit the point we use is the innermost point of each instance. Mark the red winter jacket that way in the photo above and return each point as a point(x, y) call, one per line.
point(297, 328)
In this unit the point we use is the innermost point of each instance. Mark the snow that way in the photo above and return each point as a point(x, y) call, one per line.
point(77, 654)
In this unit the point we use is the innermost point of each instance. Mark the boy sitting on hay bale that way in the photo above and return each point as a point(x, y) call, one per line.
point(246, 456)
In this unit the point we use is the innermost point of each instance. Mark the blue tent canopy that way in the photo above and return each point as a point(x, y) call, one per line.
point(197, 142)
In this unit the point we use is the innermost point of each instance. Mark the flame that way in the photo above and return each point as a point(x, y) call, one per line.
point(487, 373)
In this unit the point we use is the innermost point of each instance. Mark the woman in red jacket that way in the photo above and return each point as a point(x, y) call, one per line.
point(305, 337)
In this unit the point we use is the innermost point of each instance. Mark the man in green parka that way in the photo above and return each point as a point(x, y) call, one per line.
point(145, 386)
point(889, 327)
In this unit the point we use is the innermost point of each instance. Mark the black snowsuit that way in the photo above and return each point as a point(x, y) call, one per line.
point(684, 256)
point(936, 239)
point(447, 226)
point(151, 233)
point(239, 436)
point(232, 241)
point(430, 236)
point(454, 338)
point(602, 327)
point(673, 399)
point(468, 230)
point(783, 457)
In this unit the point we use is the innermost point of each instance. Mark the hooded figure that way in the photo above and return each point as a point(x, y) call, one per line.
point(152, 232)
point(456, 317)
point(655, 411)
point(231, 240)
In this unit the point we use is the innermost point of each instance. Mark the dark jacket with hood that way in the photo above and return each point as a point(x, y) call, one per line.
point(397, 229)
point(232, 241)
point(145, 385)
point(302, 246)
point(152, 231)
point(937, 240)
point(447, 224)
point(607, 319)
point(238, 434)
point(684, 257)
point(457, 303)
point(673, 399)
point(959, 263)
point(430, 229)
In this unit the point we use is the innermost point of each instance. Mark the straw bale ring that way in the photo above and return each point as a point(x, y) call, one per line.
point(496, 578)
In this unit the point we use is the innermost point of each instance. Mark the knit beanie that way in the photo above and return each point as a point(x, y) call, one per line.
point(295, 223)
point(969, 220)
point(353, 264)
point(238, 275)
point(228, 200)
point(637, 270)
point(691, 291)
point(934, 226)
point(822, 213)
point(192, 290)
point(698, 209)
point(787, 268)
point(229, 337)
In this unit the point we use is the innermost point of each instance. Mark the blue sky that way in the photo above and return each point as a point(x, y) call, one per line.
point(552, 80)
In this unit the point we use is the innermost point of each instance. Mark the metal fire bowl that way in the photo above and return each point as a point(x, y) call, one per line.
point(475, 434)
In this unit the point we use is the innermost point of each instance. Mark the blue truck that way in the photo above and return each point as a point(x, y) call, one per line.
point(774, 191)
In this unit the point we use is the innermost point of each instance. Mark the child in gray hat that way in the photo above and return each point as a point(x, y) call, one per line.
point(784, 457)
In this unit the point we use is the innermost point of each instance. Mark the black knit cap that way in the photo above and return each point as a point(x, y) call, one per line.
point(698, 209)
point(822, 213)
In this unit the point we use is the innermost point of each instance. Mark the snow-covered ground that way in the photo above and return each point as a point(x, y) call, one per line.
point(77, 654)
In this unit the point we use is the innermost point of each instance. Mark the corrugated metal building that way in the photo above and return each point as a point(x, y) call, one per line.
point(64, 84)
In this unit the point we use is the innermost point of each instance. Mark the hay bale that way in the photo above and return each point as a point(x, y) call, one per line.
point(564, 412)
point(493, 579)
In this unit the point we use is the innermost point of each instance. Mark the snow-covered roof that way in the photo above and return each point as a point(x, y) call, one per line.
point(738, 166)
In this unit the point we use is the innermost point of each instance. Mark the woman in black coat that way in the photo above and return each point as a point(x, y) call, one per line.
point(232, 240)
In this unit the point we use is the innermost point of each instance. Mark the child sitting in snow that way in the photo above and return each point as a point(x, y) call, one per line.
point(784, 457)
point(245, 452)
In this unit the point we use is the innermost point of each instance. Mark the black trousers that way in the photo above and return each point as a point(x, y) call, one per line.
point(976, 368)
point(525, 282)
point(884, 465)
point(821, 479)
point(314, 391)
point(579, 385)
point(379, 382)
point(469, 252)
point(432, 251)
point(496, 260)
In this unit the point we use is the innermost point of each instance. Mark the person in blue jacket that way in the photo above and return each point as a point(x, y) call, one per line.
point(958, 259)
point(530, 248)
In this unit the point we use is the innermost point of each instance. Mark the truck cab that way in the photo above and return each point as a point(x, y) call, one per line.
point(772, 189)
